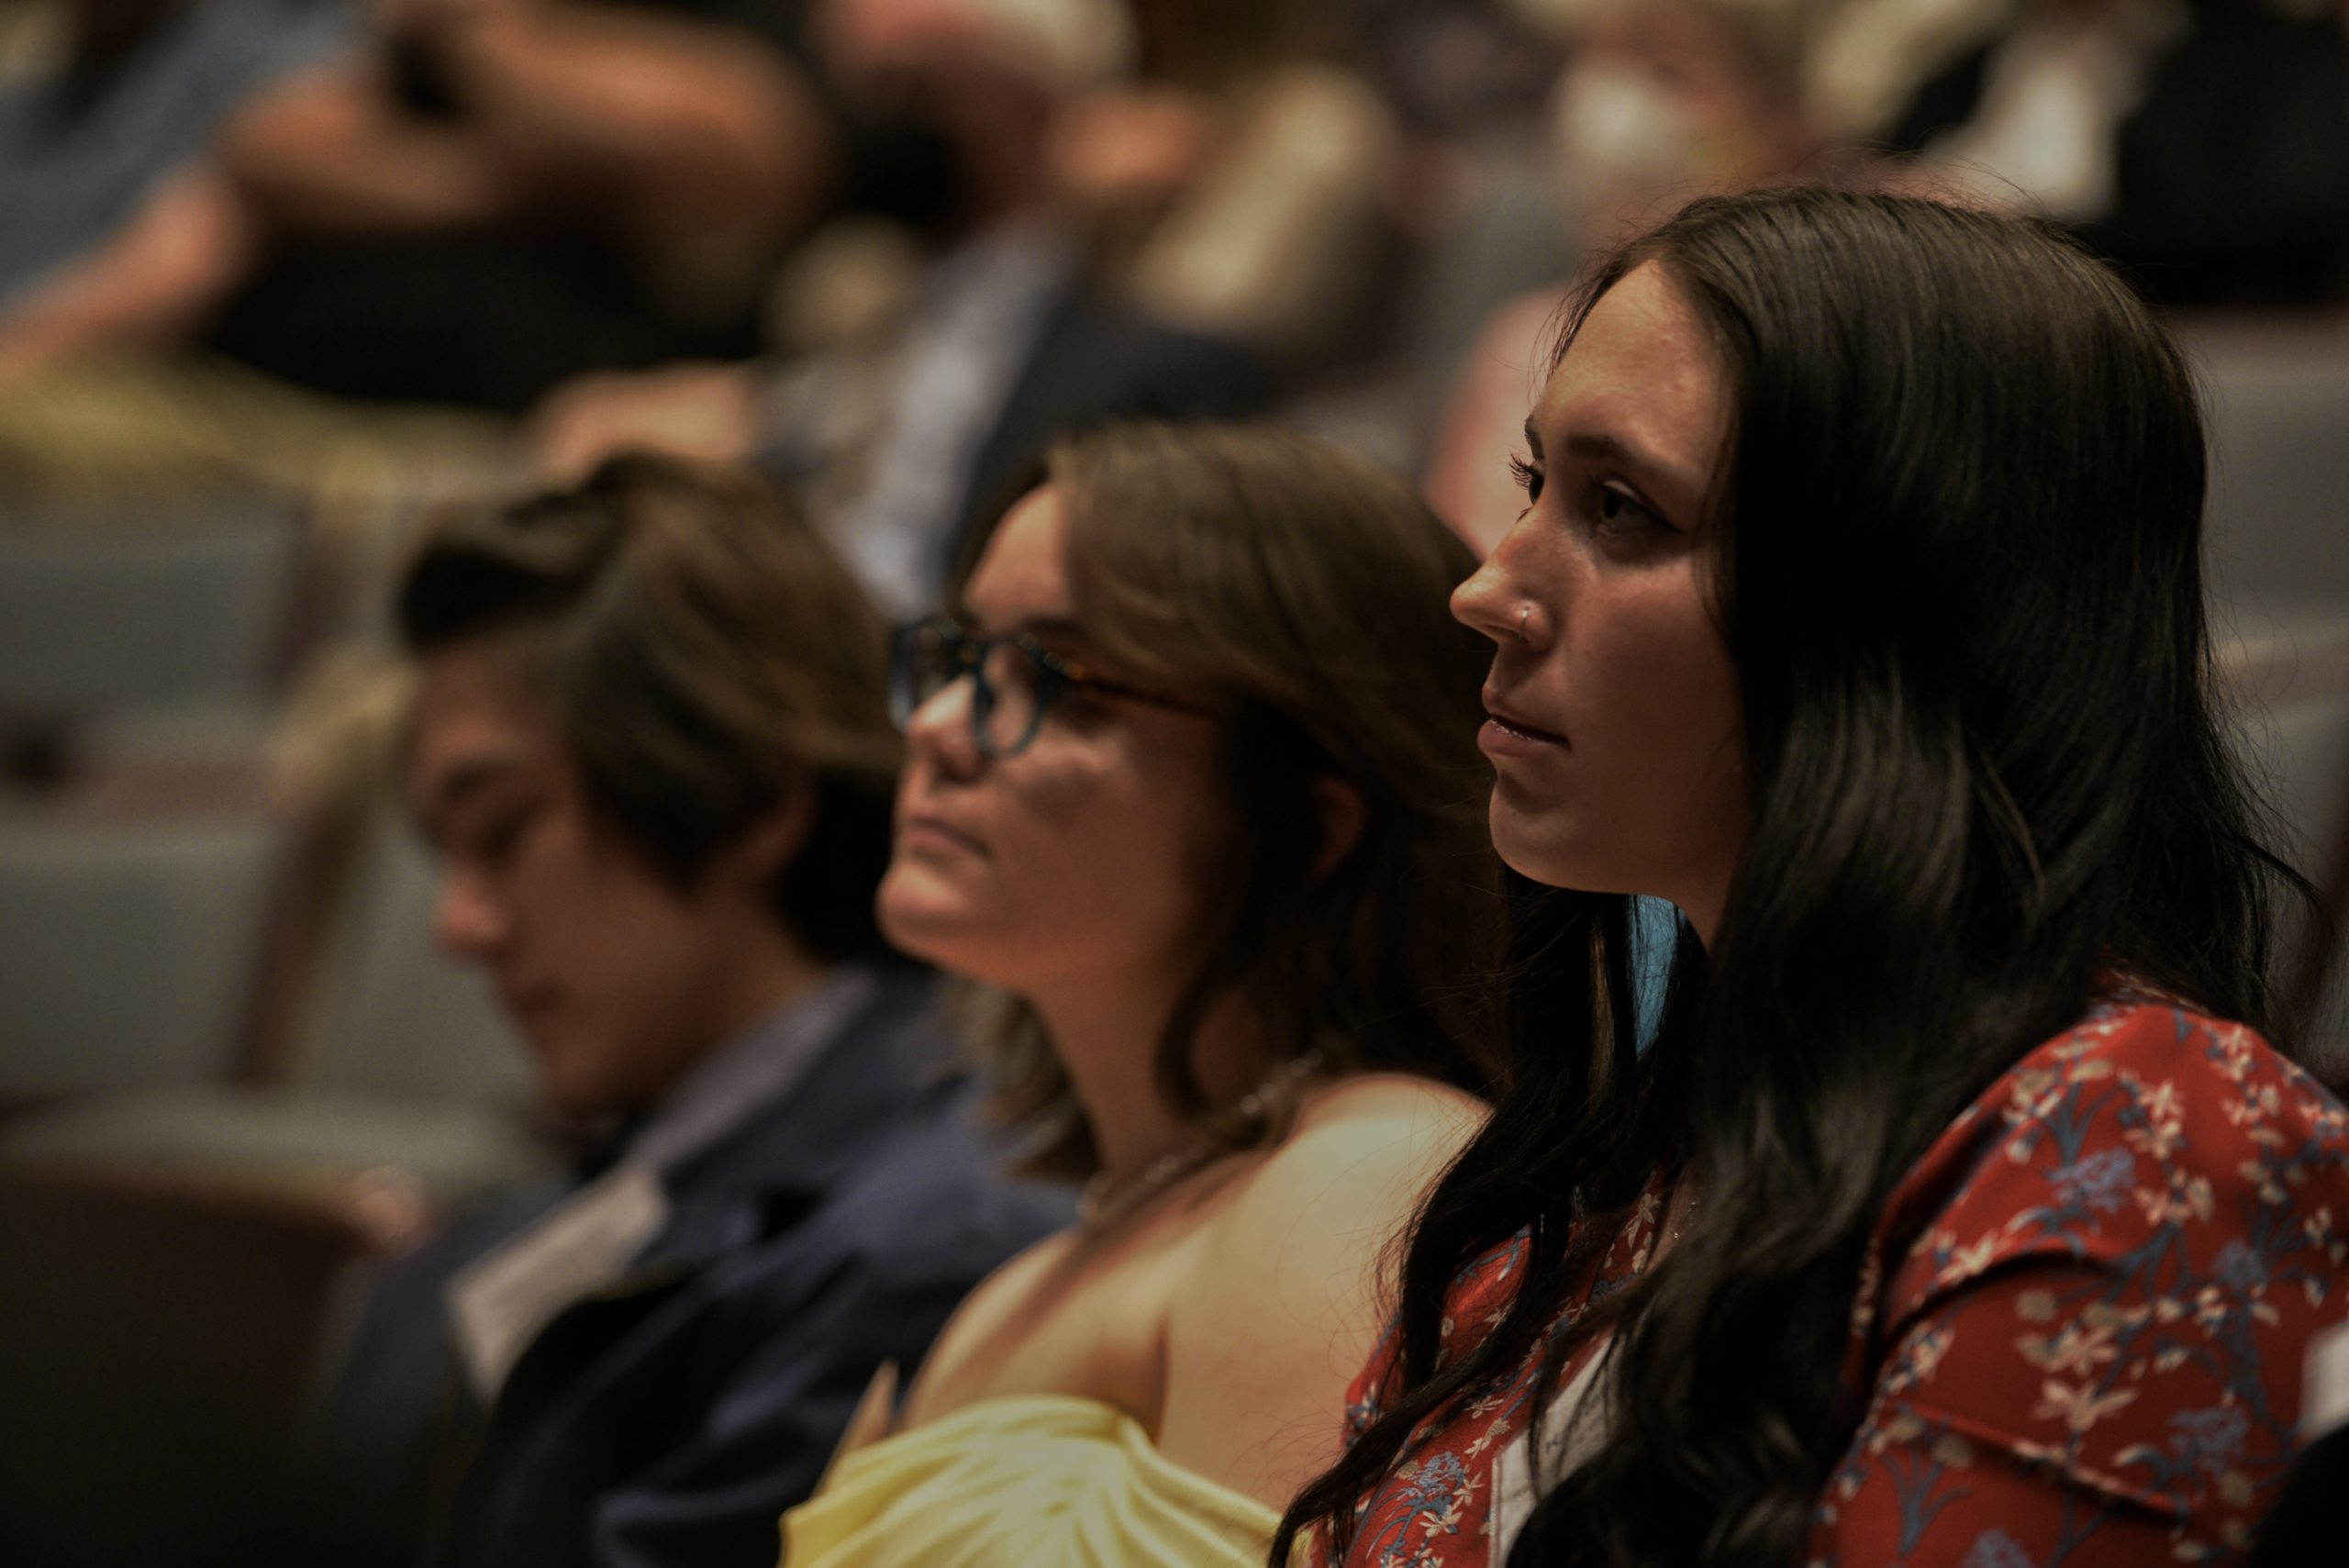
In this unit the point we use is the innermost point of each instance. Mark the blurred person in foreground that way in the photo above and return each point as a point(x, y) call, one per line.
point(1191, 790)
point(913, 406)
point(651, 746)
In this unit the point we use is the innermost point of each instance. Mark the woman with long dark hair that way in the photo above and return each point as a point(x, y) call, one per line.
point(1960, 1213)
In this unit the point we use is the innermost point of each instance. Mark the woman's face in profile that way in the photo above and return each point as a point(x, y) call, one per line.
point(1614, 728)
point(1078, 860)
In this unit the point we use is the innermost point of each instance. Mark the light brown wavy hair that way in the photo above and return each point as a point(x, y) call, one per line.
point(1302, 594)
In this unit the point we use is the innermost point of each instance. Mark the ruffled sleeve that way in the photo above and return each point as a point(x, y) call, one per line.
point(1027, 1481)
point(2091, 1351)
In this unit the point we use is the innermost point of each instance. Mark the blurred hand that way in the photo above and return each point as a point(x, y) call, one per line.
point(1121, 148)
point(693, 410)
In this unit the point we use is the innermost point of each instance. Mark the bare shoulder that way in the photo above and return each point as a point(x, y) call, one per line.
point(1312, 1219)
point(966, 1348)
point(1364, 1145)
point(1390, 1099)
point(1289, 1289)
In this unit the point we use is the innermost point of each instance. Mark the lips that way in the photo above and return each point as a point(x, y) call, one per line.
point(923, 830)
point(1508, 721)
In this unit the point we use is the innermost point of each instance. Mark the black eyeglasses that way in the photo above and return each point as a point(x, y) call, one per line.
point(1014, 681)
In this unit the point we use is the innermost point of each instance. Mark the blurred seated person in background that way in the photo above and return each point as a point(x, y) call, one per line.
point(485, 198)
point(118, 227)
point(2203, 145)
point(651, 744)
point(458, 201)
point(1215, 844)
point(905, 428)
point(1242, 181)
point(1660, 101)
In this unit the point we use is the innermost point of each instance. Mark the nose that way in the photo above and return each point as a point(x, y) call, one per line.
point(939, 732)
point(1489, 602)
point(468, 921)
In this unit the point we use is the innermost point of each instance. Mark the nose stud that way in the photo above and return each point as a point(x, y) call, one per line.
point(1523, 611)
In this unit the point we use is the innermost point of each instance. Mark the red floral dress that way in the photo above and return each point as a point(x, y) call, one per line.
point(2090, 1355)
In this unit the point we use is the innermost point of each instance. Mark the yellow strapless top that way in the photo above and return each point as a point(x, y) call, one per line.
point(1023, 1480)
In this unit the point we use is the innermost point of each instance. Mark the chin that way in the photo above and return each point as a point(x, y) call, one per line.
point(570, 1088)
point(920, 919)
point(1527, 844)
point(1541, 858)
point(576, 1104)
point(951, 939)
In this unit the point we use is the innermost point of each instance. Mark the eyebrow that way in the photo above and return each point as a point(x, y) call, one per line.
point(463, 782)
point(1614, 449)
point(1065, 628)
point(1597, 446)
point(1062, 627)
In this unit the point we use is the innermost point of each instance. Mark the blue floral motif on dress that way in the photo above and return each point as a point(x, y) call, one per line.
point(1432, 1490)
point(2238, 1265)
point(1602, 1290)
point(2209, 1441)
point(1995, 1548)
point(2102, 1181)
point(2089, 1351)
point(1917, 1485)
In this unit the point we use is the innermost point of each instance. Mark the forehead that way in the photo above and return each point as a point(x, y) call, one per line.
point(472, 714)
point(1023, 574)
point(1644, 372)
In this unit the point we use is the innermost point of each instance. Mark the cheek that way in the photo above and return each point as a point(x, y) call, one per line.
point(1687, 693)
point(588, 1042)
point(629, 965)
point(558, 868)
point(1695, 780)
point(1091, 859)
point(1661, 691)
point(1650, 799)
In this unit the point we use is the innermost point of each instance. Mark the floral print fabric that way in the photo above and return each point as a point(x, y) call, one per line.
point(2090, 1354)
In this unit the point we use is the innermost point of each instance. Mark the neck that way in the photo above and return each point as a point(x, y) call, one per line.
point(1108, 1042)
point(1701, 905)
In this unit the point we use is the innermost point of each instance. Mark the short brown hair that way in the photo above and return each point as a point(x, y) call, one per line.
point(1304, 594)
point(703, 652)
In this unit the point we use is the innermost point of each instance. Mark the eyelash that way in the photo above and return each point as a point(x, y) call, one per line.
point(1603, 494)
point(1529, 478)
point(502, 835)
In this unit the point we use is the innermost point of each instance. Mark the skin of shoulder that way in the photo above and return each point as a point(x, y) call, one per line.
point(1277, 1293)
point(986, 1312)
point(1291, 1287)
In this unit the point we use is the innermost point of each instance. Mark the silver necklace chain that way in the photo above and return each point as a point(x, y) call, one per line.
point(1105, 1201)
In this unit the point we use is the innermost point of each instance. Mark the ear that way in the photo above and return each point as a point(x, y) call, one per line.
point(775, 837)
point(1340, 806)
